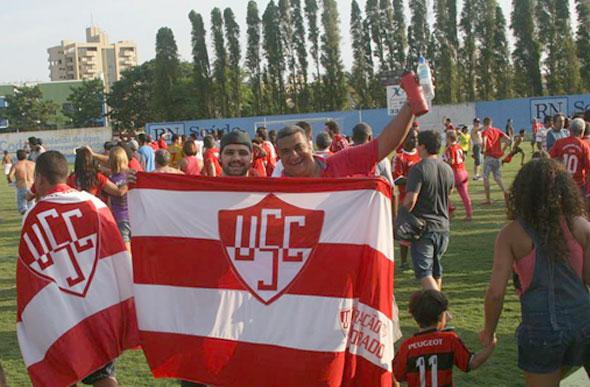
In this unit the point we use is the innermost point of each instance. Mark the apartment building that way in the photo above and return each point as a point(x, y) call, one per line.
point(94, 58)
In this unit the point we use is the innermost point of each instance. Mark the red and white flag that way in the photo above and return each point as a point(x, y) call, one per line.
point(74, 289)
point(258, 282)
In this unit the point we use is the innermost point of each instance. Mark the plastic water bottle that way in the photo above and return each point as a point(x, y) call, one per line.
point(425, 78)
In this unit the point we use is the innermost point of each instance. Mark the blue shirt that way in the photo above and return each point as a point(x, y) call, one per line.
point(553, 136)
point(149, 156)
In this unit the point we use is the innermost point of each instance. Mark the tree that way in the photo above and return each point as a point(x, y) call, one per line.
point(311, 13)
point(166, 74)
point(201, 68)
point(362, 69)
point(220, 94)
point(468, 52)
point(583, 42)
point(399, 37)
point(85, 104)
point(501, 52)
point(562, 68)
point(299, 45)
point(232, 35)
point(253, 60)
point(26, 109)
point(375, 23)
point(333, 79)
point(446, 54)
point(130, 98)
point(274, 53)
point(526, 56)
point(418, 32)
point(286, 32)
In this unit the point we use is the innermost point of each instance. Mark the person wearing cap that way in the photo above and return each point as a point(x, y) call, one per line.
point(236, 154)
point(476, 143)
point(299, 161)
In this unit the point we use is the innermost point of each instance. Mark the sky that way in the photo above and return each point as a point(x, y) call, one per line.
point(29, 27)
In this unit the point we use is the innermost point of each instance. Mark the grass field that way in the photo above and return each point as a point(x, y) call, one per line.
point(467, 266)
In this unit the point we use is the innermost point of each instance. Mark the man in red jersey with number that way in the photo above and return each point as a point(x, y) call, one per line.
point(455, 157)
point(493, 143)
point(574, 153)
point(427, 358)
point(403, 161)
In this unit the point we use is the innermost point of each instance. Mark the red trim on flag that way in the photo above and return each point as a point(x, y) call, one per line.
point(333, 270)
point(88, 346)
point(172, 182)
point(232, 363)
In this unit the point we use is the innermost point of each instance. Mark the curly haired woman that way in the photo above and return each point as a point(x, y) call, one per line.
point(548, 247)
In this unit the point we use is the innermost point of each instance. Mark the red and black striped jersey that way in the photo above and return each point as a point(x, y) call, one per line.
point(427, 358)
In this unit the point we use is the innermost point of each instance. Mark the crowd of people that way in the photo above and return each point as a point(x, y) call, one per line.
point(546, 244)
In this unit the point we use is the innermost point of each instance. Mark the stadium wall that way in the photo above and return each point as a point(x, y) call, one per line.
point(522, 111)
point(65, 141)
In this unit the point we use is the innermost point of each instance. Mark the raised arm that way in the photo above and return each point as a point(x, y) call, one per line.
point(395, 132)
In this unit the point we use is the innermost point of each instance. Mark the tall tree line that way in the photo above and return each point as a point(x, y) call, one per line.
point(293, 59)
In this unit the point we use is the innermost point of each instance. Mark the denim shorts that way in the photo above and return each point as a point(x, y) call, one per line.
point(104, 372)
point(427, 253)
point(492, 165)
point(125, 230)
point(477, 154)
point(542, 349)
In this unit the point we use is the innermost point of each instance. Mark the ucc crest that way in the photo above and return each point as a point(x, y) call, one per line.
point(269, 244)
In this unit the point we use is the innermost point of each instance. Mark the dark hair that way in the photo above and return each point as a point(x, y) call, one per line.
point(289, 131)
point(487, 121)
point(141, 138)
point(162, 157)
point(53, 166)
point(426, 306)
point(262, 132)
point(306, 128)
point(39, 141)
point(175, 137)
point(323, 140)
point(21, 154)
point(587, 115)
point(361, 133)
point(333, 126)
point(108, 146)
point(189, 148)
point(431, 140)
point(127, 148)
point(85, 170)
point(522, 131)
point(546, 181)
point(208, 141)
point(548, 120)
point(32, 140)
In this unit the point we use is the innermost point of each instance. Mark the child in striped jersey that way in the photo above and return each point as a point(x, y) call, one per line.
point(428, 357)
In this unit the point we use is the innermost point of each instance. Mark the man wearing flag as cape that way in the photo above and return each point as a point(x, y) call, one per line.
point(76, 312)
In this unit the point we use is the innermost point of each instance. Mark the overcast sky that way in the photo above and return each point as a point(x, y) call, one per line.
point(29, 27)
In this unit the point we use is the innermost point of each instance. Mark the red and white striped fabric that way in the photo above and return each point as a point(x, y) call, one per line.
point(74, 289)
point(259, 282)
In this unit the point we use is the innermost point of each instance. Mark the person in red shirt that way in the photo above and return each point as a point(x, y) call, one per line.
point(455, 157)
point(211, 167)
point(403, 161)
point(428, 357)
point(258, 158)
point(537, 126)
point(494, 142)
point(162, 144)
point(190, 164)
point(297, 155)
point(153, 144)
point(86, 177)
point(574, 153)
point(323, 141)
point(268, 148)
point(338, 141)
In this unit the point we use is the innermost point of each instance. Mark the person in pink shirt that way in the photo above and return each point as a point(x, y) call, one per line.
point(455, 157)
point(190, 164)
point(297, 154)
point(494, 143)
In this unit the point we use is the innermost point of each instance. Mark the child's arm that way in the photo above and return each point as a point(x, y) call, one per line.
point(482, 356)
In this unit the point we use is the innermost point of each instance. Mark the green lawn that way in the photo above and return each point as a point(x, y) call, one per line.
point(467, 265)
